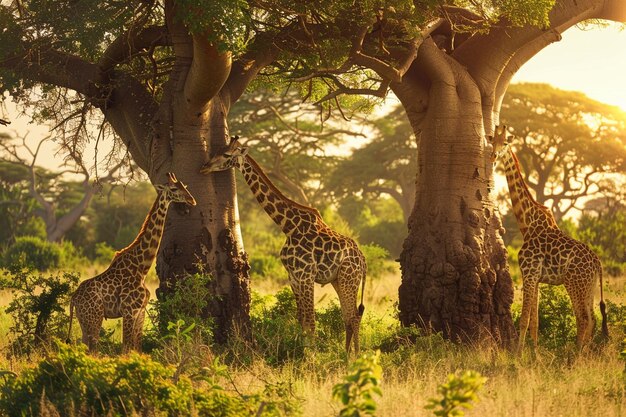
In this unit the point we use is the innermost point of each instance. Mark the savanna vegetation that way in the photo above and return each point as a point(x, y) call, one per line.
point(158, 87)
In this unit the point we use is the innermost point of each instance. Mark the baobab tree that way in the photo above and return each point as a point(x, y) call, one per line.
point(164, 75)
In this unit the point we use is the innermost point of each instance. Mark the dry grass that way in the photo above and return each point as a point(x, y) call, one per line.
point(543, 383)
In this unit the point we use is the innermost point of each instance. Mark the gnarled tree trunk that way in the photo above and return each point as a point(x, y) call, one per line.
point(455, 277)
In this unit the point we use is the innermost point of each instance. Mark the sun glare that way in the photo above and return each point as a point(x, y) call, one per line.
point(590, 60)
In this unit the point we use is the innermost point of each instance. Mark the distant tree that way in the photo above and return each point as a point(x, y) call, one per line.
point(385, 165)
point(565, 141)
point(50, 189)
point(286, 137)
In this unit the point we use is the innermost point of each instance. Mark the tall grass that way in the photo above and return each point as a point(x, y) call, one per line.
point(555, 380)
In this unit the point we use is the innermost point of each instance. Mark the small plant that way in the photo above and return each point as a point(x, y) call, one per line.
point(377, 260)
point(557, 323)
point(360, 386)
point(276, 330)
point(187, 303)
point(458, 392)
point(37, 307)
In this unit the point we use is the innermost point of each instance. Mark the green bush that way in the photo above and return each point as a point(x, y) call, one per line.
point(71, 382)
point(188, 304)
point(557, 323)
point(377, 260)
point(275, 326)
point(33, 252)
point(458, 392)
point(104, 253)
point(37, 307)
point(360, 387)
point(267, 266)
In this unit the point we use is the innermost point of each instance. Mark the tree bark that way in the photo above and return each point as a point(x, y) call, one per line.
point(207, 237)
point(455, 277)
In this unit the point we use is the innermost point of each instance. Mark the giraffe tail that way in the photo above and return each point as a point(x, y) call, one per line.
point(69, 330)
point(605, 327)
point(362, 305)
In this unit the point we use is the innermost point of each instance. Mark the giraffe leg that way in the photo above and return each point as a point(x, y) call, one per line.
point(132, 330)
point(303, 287)
point(90, 324)
point(582, 303)
point(347, 287)
point(534, 318)
point(529, 301)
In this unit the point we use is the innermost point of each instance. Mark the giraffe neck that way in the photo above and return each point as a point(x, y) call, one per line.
point(528, 212)
point(285, 212)
point(142, 251)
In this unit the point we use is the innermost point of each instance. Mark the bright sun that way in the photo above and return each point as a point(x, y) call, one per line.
point(588, 60)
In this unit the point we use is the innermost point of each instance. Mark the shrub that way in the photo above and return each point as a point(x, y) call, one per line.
point(557, 323)
point(37, 307)
point(104, 253)
point(267, 266)
point(377, 260)
point(188, 304)
point(74, 383)
point(360, 386)
point(275, 326)
point(33, 252)
point(458, 391)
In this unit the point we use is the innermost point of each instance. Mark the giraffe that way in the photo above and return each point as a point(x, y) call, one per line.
point(313, 251)
point(548, 255)
point(120, 290)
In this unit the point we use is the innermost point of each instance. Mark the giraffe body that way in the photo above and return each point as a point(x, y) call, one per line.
point(550, 256)
point(313, 252)
point(120, 291)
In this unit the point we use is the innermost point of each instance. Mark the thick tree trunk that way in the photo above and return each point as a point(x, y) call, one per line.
point(206, 237)
point(455, 277)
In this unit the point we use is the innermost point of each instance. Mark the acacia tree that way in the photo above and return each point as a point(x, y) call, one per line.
point(385, 165)
point(564, 141)
point(18, 152)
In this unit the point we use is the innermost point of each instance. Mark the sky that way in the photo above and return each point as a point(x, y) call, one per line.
point(592, 61)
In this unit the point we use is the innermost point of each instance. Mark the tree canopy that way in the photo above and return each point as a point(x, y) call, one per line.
point(565, 141)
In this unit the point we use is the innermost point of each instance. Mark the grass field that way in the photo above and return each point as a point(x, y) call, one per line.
point(548, 382)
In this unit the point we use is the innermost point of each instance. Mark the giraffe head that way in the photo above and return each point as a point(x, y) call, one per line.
point(175, 191)
point(232, 158)
point(501, 143)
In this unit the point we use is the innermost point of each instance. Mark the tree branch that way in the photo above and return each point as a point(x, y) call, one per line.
point(126, 46)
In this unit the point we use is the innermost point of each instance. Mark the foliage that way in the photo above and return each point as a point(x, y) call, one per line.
point(557, 323)
point(277, 333)
point(564, 141)
point(376, 258)
point(606, 234)
point(386, 165)
point(186, 305)
point(103, 253)
point(72, 382)
point(37, 306)
point(33, 252)
point(357, 392)
point(458, 392)
point(17, 212)
point(267, 266)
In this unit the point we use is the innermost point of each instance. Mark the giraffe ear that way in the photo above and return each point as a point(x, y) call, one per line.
point(244, 150)
point(172, 177)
